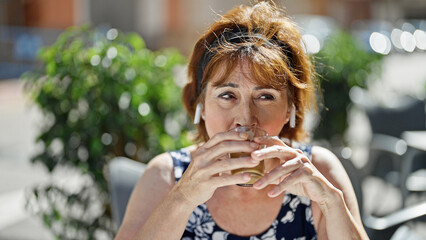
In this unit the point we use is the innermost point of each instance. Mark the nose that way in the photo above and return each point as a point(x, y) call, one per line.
point(246, 115)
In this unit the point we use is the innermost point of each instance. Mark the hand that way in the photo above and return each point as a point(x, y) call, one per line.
point(295, 173)
point(203, 177)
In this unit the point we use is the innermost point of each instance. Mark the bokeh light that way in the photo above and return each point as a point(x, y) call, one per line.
point(95, 60)
point(106, 62)
point(346, 153)
point(124, 100)
point(420, 37)
point(130, 74)
point(130, 149)
point(82, 153)
point(112, 52)
point(396, 38)
point(144, 109)
point(380, 43)
point(112, 34)
point(106, 139)
point(311, 44)
point(160, 61)
point(408, 42)
point(408, 27)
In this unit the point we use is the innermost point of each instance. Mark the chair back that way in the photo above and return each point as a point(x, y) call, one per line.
point(408, 115)
point(124, 173)
point(387, 125)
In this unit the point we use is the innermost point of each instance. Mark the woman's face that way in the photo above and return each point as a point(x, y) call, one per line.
point(240, 101)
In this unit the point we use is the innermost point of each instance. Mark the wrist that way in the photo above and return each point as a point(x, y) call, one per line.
point(338, 218)
point(332, 201)
point(179, 197)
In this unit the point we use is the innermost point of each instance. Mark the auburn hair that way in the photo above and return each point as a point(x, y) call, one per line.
point(274, 66)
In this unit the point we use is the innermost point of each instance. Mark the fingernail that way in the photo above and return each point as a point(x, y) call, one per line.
point(254, 145)
point(273, 193)
point(258, 153)
point(257, 185)
point(246, 177)
point(243, 135)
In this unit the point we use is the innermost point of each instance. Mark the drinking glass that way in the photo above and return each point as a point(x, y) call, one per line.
point(255, 172)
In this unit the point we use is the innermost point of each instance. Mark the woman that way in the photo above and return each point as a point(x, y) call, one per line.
point(248, 69)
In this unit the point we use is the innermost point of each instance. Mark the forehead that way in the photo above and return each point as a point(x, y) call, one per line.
point(239, 74)
point(242, 73)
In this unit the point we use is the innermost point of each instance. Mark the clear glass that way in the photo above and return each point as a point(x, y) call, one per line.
point(258, 171)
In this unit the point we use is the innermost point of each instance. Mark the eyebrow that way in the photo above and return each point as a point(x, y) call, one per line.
point(234, 85)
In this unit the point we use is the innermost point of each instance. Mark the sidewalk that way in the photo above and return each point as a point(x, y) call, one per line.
point(17, 174)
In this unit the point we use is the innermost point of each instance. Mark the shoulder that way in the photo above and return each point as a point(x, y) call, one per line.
point(161, 167)
point(157, 179)
point(158, 176)
point(324, 159)
point(330, 167)
point(158, 171)
point(161, 163)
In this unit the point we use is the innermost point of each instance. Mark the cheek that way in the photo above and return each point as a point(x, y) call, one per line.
point(272, 121)
point(217, 120)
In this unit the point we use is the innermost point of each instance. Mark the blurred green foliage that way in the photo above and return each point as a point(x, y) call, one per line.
point(341, 64)
point(101, 95)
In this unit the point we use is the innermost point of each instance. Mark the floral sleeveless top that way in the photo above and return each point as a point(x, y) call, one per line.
point(294, 221)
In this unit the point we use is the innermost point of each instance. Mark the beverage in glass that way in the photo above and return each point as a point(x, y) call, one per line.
point(258, 171)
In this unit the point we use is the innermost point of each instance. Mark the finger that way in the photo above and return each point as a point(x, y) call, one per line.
point(277, 173)
point(227, 147)
point(291, 180)
point(275, 151)
point(269, 140)
point(231, 164)
point(227, 180)
point(223, 136)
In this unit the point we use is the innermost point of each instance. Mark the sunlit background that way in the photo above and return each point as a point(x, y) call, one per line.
point(391, 30)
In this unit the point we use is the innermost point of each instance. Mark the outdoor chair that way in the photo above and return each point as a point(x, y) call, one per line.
point(394, 225)
point(387, 125)
point(124, 173)
point(389, 154)
point(394, 161)
point(391, 226)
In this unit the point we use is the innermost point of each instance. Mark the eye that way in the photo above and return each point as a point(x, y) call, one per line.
point(226, 95)
point(267, 96)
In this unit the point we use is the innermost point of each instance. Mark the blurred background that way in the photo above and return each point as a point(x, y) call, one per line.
point(94, 79)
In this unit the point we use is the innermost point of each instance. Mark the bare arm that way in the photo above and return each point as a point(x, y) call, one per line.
point(151, 189)
point(169, 219)
point(155, 210)
point(340, 215)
